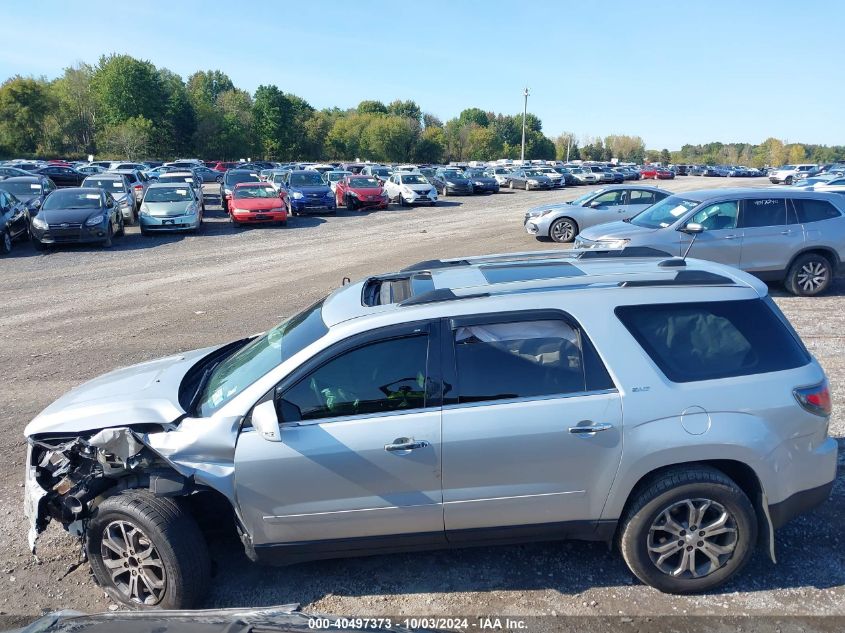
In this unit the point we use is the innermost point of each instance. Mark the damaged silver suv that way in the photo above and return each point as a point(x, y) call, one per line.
point(457, 402)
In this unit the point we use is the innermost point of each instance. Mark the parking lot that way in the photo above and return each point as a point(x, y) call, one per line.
point(75, 313)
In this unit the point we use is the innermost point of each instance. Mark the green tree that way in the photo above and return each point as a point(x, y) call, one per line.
point(273, 115)
point(372, 107)
point(483, 144)
point(796, 153)
point(125, 88)
point(665, 156)
point(431, 145)
point(390, 138)
point(175, 133)
point(429, 120)
point(474, 115)
point(24, 106)
point(205, 86)
point(129, 139)
point(407, 109)
point(75, 108)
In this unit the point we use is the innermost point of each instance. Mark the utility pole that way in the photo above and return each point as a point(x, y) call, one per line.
point(568, 147)
point(524, 115)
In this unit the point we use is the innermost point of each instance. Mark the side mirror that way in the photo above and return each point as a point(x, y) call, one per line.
point(266, 422)
point(594, 204)
point(692, 228)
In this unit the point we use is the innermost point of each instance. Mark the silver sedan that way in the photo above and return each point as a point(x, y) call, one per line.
point(563, 221)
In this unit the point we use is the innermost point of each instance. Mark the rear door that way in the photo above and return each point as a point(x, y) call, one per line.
point(638, 200)
point(721, 241)
point(532, 427)
point(768, 242)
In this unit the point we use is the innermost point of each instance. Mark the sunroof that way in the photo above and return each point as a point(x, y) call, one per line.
point(529, 272)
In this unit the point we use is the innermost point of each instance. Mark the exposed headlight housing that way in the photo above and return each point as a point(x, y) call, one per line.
point(533, 182)
point(94, 221)
point(39, 223)
point(611, 244)
point(296, 195)
point(352, 193)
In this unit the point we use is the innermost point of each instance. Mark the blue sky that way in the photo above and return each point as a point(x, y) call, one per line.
point(671, 72)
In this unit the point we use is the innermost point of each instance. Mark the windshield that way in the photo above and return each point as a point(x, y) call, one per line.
point(109, 184)
point(22, 189)
point(72, 199)
point(384, 172)
point(255, 359)
point(474, 173)
point(168, 194)
point(234, 177)
point(179, 179)
point(452, 173)
point(334, 176)
point(364, 183)
point(256, 192)
point(413, 179)
point(533, 172)
point(306, 179)
point(664, 213)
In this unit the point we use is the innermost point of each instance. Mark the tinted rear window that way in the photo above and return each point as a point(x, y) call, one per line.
point(704, 341)
point(814, 210)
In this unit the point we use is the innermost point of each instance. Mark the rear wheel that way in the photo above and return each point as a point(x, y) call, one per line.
point(689, 531)
point(788, 180)
point(563, 230)
point(510, 184)
point(809, 275)
point(147, 552)
point(527, 188)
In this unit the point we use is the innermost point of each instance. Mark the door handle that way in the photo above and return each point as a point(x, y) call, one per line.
point(589, 430)
point(406, 444)
point(731, 237)
point(785, 232)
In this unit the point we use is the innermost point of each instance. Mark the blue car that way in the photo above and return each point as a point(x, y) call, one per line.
point(308, 193)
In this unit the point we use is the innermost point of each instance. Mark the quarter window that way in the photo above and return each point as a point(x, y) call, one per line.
point(714, 217)
point(709, 340)
point(526, 359)
point(809, 210)
point(758, 212)
point(377, 378)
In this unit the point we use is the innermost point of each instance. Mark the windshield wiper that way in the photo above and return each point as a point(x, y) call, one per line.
point(626, 220)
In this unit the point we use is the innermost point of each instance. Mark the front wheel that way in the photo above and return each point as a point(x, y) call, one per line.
point(527, 186)
point(563, 230)
point(148, 552)
point(788, 180)
point(689, 531)
point(809, 275)
point(107, 243)
point(6, 243)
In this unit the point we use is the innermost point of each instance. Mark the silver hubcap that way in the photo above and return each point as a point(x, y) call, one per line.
point(563, 231)
point(692, 538)
point(135, 566)
point(812, 276)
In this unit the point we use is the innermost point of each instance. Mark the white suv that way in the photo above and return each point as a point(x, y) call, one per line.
point(457, 402)
point(788, 173)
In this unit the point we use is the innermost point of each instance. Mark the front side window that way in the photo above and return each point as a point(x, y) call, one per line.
point(709, 340)
point(718, 216)
point(526, 359)
point(610, 198)
point(381, 377)
point(759, 212)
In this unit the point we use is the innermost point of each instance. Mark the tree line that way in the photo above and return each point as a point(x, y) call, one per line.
point(123, 107)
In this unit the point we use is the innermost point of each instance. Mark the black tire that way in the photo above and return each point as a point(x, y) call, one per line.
point(402, 202)
point(144, 231)
point(809, 275)
point(527, 186)
point(558, 233)
point(121, 230)
point(109, 235)
point(173, 536)
point(788, 180)
point(6, 242)
point(132, 217)
point(671, 490)
point(40, 246)
point(219, 179)
point(510, 184)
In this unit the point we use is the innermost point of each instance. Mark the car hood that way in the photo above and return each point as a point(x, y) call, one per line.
point(256, 204)
point(56, 216)
point(487, 180)
point(166, 209)
point(367, 191)
point(313, 189)
point(146, 393)
point(615, 231)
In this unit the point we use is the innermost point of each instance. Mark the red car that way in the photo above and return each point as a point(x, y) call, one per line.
point(648, 171)
point(360, 192)
point(664, 174)
point(257, 203)
point(222, 167)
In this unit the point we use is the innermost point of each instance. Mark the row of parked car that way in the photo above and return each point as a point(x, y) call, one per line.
point(792, 235)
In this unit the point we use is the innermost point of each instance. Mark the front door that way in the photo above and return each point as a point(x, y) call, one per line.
point(768, 243)
point(721, 241)
point(532, 429)
point(359, 454)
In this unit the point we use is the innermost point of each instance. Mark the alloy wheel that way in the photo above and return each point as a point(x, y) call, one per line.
point(692, 538)
point(563, 231)
point(812, 276)
point(133, 562)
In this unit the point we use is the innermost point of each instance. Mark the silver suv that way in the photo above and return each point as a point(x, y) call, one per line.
point(797, 237)
point(457, 402)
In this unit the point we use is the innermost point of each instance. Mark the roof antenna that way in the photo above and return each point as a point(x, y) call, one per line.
point(693, 229)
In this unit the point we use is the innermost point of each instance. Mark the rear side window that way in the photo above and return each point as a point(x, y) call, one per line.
point(705, 341)
point(497, 361)
point(757, 212)
point(814, 210)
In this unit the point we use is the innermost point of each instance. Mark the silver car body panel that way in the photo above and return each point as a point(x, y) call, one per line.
point(332, 478)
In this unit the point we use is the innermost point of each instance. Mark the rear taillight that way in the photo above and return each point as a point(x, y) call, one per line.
point(815, 399)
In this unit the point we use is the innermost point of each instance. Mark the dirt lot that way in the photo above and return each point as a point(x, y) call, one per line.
point(76, 313)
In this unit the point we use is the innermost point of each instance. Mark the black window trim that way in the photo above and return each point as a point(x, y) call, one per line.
point(449, 357)
point(357, 341)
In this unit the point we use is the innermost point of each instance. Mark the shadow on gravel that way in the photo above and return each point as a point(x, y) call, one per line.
point(810, 553)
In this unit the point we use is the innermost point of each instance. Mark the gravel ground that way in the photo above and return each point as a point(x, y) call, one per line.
point(79, 312)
